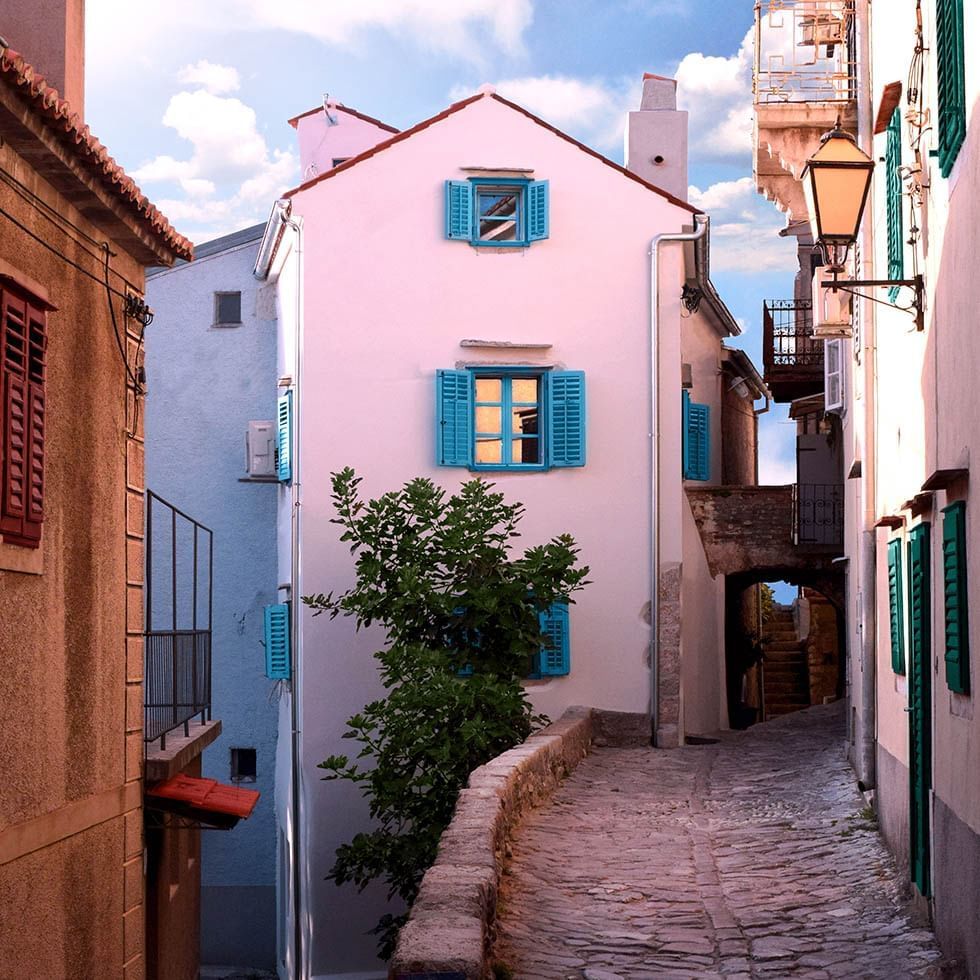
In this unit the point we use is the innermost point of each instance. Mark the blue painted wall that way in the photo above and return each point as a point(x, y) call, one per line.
point(204, 385)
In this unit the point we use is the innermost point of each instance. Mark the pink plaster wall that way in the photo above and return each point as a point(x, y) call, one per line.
point(387, 302)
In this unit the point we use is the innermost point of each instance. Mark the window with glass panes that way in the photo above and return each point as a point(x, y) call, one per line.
point(507, 416)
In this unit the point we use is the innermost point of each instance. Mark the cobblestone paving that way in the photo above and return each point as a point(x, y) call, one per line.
point(745, 859)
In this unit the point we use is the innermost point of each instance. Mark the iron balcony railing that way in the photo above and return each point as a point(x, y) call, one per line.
point(820, 514)
point(788, 344)
point(177, 634)
point(804, 51)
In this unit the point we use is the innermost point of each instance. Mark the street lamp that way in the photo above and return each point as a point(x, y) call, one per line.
point(836, 181)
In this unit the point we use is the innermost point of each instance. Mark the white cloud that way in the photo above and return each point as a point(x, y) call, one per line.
point(744, 228)
point(467, 29)
point(717, 92)
point(775, 470)
point(593, 110)
point(231, 176)
point(217, 79)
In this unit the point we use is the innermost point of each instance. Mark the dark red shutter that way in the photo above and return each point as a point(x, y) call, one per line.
point(23, 340)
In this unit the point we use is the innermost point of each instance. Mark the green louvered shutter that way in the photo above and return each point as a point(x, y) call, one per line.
point(566, 418)
point(454, 418)
point(554, 659)
point(956, 598)
point(284, 437)
point(896, 610)
point(459, 210)
point(696, 421)
point(893, 202)
point(278, 665)
point(537, 210)
point(951, 79)
point(920, 705)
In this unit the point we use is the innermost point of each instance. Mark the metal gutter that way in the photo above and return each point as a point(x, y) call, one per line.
point(702, 269)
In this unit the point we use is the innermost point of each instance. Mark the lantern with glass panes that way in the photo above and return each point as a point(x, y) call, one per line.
point(836, 182)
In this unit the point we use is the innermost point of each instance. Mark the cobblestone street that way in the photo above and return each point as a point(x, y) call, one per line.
point(747, 858)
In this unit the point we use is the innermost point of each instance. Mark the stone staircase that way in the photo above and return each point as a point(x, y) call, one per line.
point(787, 682)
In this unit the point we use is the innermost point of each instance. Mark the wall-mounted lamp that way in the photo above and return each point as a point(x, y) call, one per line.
point(836, 182)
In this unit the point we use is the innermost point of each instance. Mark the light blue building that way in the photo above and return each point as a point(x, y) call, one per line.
point(211, 381)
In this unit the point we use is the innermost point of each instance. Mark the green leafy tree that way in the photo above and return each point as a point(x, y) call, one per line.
point(460, 612)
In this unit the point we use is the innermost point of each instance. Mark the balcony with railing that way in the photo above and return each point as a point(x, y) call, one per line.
point(177, 636)
point(804, 79)
point(792, 357)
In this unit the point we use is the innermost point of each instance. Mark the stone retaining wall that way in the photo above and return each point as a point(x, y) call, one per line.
point(450, 928)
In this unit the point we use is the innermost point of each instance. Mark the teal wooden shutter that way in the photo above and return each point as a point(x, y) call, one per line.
point(956, 598)
point(893, 202)
point(696, 421)
point(278, 664)
point(284, 437)
point(459, 210)
point(454, 418)
point(537, 210)
point(951, 78)
point(920, 704)
point(896, 610)
point(554, 660)
point(566, 418)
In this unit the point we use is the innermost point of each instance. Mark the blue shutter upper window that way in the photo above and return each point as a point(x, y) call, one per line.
point(498, 212)
point(696, 422)
point(284, 437)
point(510, 419)
point(278, 663)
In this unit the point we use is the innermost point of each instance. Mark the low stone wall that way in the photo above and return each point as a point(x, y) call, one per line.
point(450, 928)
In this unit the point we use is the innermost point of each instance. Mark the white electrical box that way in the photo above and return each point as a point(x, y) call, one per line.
point(260, 449)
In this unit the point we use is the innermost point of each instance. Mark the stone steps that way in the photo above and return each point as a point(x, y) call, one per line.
point(787, 684)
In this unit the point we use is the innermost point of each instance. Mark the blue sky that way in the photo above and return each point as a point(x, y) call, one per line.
point(192, 99)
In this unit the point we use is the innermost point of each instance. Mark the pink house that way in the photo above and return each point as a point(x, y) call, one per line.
point(482, 266)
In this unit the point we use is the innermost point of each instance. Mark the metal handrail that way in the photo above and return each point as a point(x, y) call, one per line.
point(176, 657)
point(787, 337)
point(805, 51)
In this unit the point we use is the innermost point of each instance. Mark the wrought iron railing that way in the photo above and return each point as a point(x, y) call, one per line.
point(820, 514)
point(805, 51)
point(177, 635)
point(787, 337)
point(177, 681)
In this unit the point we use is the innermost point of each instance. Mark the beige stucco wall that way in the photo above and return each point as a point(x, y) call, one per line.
point(70, 692)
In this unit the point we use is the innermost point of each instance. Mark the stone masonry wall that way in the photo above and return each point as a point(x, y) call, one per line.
point(450, 927)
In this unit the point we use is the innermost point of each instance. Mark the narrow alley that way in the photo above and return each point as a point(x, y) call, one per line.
point(752, 857)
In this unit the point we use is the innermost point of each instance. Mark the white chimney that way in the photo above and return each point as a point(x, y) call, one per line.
point(656, 137)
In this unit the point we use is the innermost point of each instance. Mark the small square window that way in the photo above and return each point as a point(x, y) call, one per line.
point(243, 765)
point(506, 430)
point(504, 212)
point(500, 213)
point(228, 309)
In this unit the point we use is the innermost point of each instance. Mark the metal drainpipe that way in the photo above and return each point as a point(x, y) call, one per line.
point(868, 539)
point(701, 229)
point(300, 971)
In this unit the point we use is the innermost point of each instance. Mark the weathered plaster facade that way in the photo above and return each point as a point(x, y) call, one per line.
point(71, 619)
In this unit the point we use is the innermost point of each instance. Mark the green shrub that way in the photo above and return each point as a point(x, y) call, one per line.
point(437, 573)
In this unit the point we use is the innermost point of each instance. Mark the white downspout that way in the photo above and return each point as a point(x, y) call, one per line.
point(701, 229)
point(278, 222)
point(296, 640)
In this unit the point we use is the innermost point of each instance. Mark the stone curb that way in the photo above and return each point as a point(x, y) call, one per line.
point(450, 928)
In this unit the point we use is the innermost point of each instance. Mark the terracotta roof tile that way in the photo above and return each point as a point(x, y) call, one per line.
point(455, 107)
point(68, 127)
point(343, 108)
